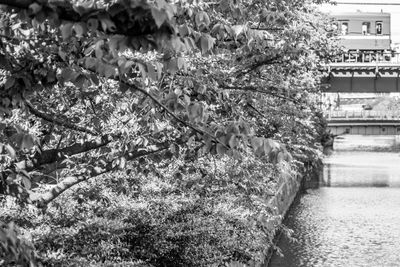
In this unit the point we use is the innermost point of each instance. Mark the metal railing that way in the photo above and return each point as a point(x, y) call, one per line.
point(362, 115)
point(362, 57)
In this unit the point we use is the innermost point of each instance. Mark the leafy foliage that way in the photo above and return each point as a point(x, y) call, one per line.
point(122, 88)
point(13, 249)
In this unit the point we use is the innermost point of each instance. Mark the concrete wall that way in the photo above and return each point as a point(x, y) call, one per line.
point(280, 204)
point(364, 84)
point(286, 194)
point(365, 130)
point(363, 44)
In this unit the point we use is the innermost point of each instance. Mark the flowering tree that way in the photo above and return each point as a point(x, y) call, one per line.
point(96, 87)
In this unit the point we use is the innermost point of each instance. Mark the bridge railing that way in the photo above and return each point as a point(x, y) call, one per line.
point(362, 115)
point(362, 57)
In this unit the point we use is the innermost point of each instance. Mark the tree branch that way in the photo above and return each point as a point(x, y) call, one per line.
point(172, 114)
point(51, 119)
point(267, 29)
point(259, 63)
point(255, 89)
point(43, 199)
point(54, 155)
point(24, 4)
point(165, 108)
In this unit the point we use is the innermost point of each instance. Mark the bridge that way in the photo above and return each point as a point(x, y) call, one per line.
point(366, 122)
point(364, 73)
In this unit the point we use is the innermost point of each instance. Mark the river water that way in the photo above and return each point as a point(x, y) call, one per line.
point(353, 218)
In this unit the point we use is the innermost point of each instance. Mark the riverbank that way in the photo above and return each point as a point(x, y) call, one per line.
point(285, 197)
point(352, 218)
point(375, 143)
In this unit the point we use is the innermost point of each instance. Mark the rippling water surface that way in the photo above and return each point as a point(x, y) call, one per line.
point(353, 219)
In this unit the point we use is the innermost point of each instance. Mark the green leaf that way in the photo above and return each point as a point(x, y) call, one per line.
point(180, 62)
point(172, 66)
point(80, 29)
point(10, 151)
point(80, 81)
point(142, 69)
point(66, 30)
point(69, 74)
point(204, 44)
point(159, 16)
point(151, 72)
point(98, 49)
point(237, 30)
point(159, 67)
point(199, 18)
point(232, 141)
point(184, 30)
point(90, 62)
point(108, 25)
point(9, 83)
point(27, 142)
point(221, 150)
point(122, 163)
point(109, 71)
point(92, 24)
point(26, 182)
point(269, 146)
point(35, 8)
point(4, 63)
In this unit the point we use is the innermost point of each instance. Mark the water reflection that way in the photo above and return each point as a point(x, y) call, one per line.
point(360, 169)
point(353, 219)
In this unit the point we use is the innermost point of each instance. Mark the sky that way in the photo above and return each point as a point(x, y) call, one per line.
point(389, 6)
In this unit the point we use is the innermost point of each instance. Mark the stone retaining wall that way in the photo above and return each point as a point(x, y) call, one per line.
point(285, 196)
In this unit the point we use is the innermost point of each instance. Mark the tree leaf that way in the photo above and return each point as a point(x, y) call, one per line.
point(159, 16)
point(122, 163)
point(232, 141)
point(27, 142)
point(98, 49)
point(10, 151)
point(172, 66)
point(9, 83)
point(204, 44)
point(26, 182)
point(69, 74)
point(4, 63)
point(237, 30)
point(184, 30)
point(35, 8)
point(107, 24)
point(80, 29)
point(92, 24)
point(180, 62)
point(151, 72)
point(66, 30)
point(90, 62)
point(109, 71)
point(221, 150)
point(199, 18)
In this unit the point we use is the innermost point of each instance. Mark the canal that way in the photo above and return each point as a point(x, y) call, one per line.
point(353, 218)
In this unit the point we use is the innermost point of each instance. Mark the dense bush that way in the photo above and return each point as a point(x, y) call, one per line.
point(139, 132)
point(213, 214)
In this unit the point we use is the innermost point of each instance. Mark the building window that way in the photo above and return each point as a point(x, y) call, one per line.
point(379, 27)
point(335, 27)
point(366, 28)
point(344, 29)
